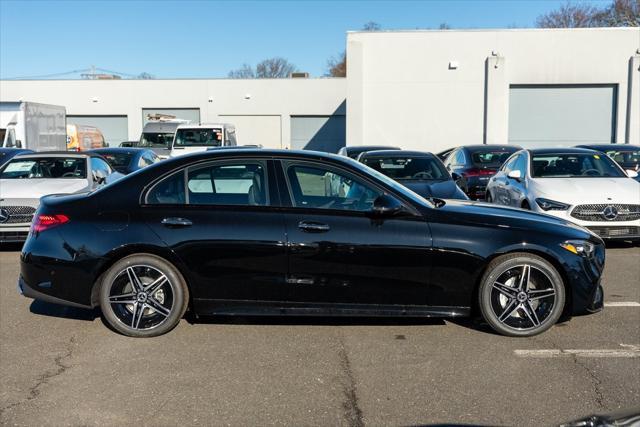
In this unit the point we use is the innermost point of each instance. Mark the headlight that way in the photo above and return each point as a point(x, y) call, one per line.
point(551, 205)
point(579, 247)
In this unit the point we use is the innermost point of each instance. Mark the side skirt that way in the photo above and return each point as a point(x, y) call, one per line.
point(279, 308)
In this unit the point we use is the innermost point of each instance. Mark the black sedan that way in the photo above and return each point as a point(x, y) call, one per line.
point(476, 164)
point(127, 160)
point(626, 155)
point(246, 232)
point(421, 172)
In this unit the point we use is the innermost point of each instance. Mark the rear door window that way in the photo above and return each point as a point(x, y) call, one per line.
point(231, 183)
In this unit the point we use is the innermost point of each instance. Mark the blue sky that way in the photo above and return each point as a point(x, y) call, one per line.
point(193, 39)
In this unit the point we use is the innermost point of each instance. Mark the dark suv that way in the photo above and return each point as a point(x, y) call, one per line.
point(476, 164)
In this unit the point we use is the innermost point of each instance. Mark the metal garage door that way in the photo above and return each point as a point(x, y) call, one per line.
point(114, 128)
point(191, 114)
point(543, 115)
point(319, 133)
point(256, 130)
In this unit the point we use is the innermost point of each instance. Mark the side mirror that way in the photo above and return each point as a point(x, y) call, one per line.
point(18, 143)
point(515, 174)
point(632, 173)
point(386, 205)
point(99, 176)
point(456, 176)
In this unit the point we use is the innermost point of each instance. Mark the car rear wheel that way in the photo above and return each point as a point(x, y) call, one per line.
point(521, 295)
point(143, 296)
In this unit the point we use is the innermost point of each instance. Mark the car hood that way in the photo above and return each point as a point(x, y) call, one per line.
point(432, 188)
point(36, 188)
point(481, 213)
point(576, 191)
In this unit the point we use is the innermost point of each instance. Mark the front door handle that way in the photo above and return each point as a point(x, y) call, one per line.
point(313, 227)
point(176, 222)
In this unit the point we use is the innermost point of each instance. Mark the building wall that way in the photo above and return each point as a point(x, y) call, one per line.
point(404, 87)
point(215, 99)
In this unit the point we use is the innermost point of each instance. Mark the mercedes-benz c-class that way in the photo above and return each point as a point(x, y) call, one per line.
point(273, 232)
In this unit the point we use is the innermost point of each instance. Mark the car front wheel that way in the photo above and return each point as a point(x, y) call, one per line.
point(521, 295)
point(143, 296)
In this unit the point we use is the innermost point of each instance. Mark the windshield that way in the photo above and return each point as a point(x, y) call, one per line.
point(423, 168)
point(199, 138)
point(156, 140)
point(490, 158)
point(45, 167)
point(574, 166)
point(625, 156)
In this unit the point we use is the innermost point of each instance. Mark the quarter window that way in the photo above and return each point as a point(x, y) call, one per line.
point(320, 188)
point(241, 183)
point(169, 191)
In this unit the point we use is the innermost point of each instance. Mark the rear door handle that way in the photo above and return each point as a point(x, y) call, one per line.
point(176, 222)
point(313, 227)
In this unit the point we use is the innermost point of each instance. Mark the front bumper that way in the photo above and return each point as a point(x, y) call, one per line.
point(606, 230)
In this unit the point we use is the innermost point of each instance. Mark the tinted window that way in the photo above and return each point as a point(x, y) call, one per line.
point(510, 165)
point(490, 158)
point(408, 167)
point(117, 160)
point(169, 191)
point(317, 187)
point(574, 166)
point(457, 158)
point(199, 137)
point(521, 165)
point(45, 167)
point(238, 183)
point(156, 140)
point(631, 156)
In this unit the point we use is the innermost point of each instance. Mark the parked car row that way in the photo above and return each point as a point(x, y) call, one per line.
point(583, 185)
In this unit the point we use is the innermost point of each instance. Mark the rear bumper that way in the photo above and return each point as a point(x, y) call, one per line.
point(25, 290)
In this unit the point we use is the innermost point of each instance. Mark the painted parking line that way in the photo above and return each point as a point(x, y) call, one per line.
point(622, 304)
point(627, 351)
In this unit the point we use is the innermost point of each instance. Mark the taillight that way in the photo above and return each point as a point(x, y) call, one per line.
point(44, 222)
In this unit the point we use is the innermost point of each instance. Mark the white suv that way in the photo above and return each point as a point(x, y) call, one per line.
point(191, 138)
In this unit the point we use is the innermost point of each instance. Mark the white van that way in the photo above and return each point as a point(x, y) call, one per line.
point(190, 138)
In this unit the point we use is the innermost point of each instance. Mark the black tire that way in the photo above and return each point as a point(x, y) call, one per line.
point(153, 308)
point(521, 311)
point(488, 197)
point(525, 205)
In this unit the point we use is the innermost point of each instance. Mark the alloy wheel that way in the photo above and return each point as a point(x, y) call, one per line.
point(523, 297)
point(141, 297)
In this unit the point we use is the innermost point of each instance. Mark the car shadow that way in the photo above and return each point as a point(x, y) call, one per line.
point(312, 320)
point(43, 308)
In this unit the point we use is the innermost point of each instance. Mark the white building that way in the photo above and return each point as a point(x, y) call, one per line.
point(426, 90)
point(277, 113)
point(431, 90)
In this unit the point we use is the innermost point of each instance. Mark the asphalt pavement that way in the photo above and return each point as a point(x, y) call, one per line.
point(61, 366)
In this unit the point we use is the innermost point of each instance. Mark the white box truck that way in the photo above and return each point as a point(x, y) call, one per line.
point(37, 127)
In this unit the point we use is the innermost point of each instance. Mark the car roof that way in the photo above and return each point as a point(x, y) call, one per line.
point(561, 150)
point(162, 127)
point(134, 150)
point(55, 154)
point(619, 147)
point(204, 125)
point(371, 147)
point(397, 153)
point(492, 146)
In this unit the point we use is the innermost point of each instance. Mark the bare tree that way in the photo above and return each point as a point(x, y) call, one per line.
point(271, 68)
point(337, 65)
point(620, 13)
point(274, 68)
point(244, 72)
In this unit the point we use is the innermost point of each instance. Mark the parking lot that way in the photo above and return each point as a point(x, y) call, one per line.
point(62, 366)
